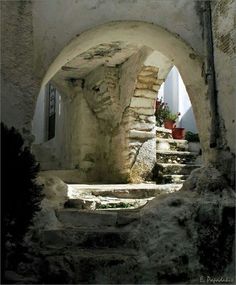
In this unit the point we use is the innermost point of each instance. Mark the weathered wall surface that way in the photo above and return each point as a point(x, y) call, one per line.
point(224, 33)
point(35, 32)
point(19, 86)
point(58, 22)
point(142, 132)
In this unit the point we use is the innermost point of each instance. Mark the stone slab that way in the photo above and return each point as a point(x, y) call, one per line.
point(82, 218)
point(88, 238)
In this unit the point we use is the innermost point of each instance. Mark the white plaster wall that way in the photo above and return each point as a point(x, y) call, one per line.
point(162, 62)
point(171, 90)
point(175, 95)
point(186, 118)
point(57, 22)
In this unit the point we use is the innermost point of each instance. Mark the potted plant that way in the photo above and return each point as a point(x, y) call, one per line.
point(178, 133)
point(164, 116)
point(193, 142)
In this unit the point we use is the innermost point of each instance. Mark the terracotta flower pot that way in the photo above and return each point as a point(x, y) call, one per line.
point(169, 124)
point(178, 133)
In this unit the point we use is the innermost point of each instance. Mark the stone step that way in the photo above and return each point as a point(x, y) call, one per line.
point(106, 203)
point(175, 168)
point(99, 218)
point(172, 144)
point(96, 266)
point(132, 191)
point(89, 238)
point(163, 133)
point(176, 179)
point(173, 156)
point(83, 218)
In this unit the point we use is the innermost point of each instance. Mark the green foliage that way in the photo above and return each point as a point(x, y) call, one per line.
point(163, 113)
point(191, 137)
point(20, 194)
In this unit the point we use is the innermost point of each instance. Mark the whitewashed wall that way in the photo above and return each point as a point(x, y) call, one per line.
point(174, 93)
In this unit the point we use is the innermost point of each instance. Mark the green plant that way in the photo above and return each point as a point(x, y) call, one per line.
point(164, 113)
point(191, 137)
point(20, 194)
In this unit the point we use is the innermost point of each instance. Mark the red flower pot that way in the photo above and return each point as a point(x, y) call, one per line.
point(178, 133)
point(169, 124)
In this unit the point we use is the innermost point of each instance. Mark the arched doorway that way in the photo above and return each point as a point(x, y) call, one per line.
point(99, 75)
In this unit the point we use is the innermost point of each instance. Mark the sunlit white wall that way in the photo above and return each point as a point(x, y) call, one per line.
point(174, 93)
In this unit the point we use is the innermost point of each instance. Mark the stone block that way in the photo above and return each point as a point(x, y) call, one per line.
point(151, 119)
point(142, 126)
point(147, 79)
point(175, 168)
point(156, 87)
point(54, 189)
point(136, 191)
point(141, 134)
point(150, 68)
point(83, 204)
point(88, 238)
point(147, 73)
point(83, 218)
point(145, 93)
point(142, 102)
point(145, 162)
point(141, 85)
point(144, 111)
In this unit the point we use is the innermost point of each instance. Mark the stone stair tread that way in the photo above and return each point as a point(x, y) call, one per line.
point(107, 203)
point(90, 229)
point(174, 168)
point(176, 152)
point(99, 218)
point(82, 212)
point(89, 237)
point(171, 140)
point(106, 200)
point(158, 189)
point(91, 253)
point(179, 164)
point(112, 186)
point(163, 130)
point(98, 266)
point(174, 178)
point(176, 175)
point(134, 191)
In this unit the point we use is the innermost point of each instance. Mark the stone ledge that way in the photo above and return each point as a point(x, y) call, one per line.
point(145, 93)
point(141, 134)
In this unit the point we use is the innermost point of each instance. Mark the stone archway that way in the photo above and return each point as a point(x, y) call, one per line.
point(73, 64)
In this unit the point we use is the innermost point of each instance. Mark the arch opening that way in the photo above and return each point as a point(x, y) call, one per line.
point(107, 81)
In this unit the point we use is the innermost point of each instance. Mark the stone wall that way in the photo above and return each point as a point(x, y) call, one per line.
point(224, 33)
point(19, 84)
point(34, 33)
point(108, 92)
point(53, 29)
point(142, 133)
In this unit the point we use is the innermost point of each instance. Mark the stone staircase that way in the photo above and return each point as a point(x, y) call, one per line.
point(91, 247)
point(114, 196)
point(95, 240)
point(174, 161)
point(95, 245)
